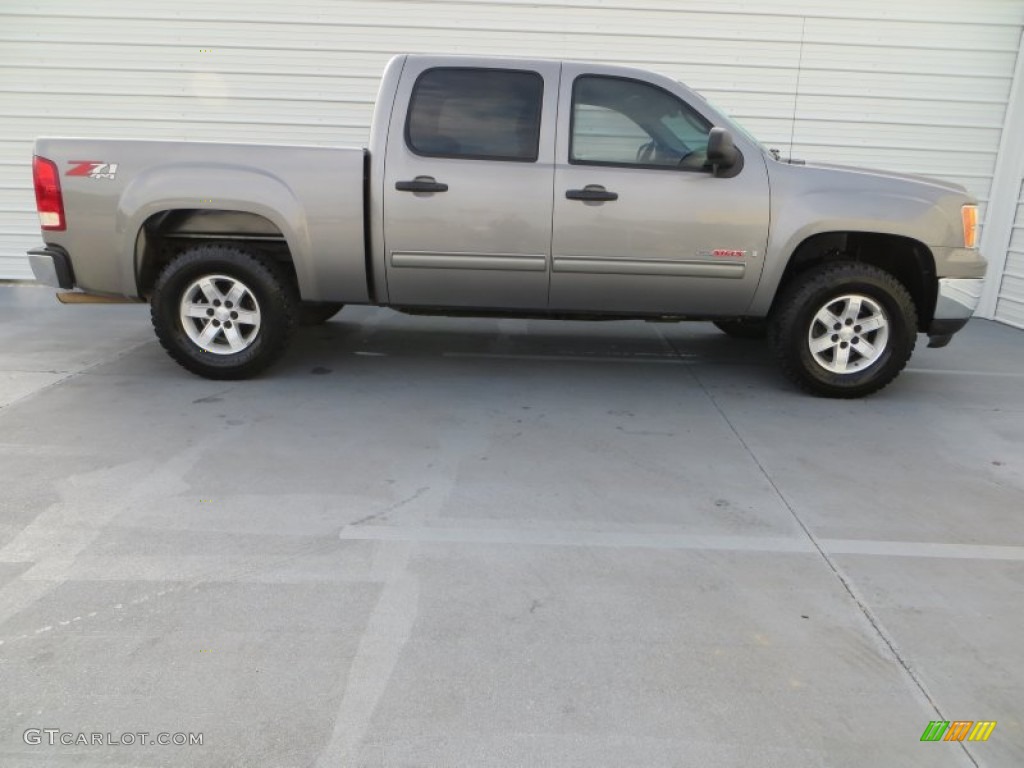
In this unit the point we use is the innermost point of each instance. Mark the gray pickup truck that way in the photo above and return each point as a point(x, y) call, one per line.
point(518, 187)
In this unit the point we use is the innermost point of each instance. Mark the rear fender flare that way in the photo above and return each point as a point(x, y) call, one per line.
point(224, 187)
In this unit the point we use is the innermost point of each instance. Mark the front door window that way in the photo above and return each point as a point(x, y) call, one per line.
point(621, 122)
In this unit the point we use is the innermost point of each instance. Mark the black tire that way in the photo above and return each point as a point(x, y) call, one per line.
point(269, 291)
point(317, 314)
point(743, 329)
point(793, 322)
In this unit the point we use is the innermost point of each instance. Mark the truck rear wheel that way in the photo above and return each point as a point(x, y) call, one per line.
point(844, 329)
point(222, 312)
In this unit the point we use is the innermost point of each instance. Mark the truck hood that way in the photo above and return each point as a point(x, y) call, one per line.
point(947, 186)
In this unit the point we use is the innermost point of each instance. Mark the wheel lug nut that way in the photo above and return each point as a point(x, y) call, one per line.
point(216, 323)
point(836, 327)
point(228, 304)
point(216, 302)
point(209, 312)
point(844, 345)
point(849, 321)
point(856, 328)
point(234, 315)
point(854, 340)
point(835, 337)
point(227, 324)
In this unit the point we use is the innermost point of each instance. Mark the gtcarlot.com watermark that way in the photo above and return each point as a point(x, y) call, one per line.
point(55, 736)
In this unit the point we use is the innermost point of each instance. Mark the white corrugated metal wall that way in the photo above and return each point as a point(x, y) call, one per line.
point(1009, 306)
point(911, 85)
point(1003, 240)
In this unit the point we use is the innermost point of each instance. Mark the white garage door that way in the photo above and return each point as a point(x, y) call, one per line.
point(911, 85)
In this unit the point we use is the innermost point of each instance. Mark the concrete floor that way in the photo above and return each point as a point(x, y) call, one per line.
point(439, 542)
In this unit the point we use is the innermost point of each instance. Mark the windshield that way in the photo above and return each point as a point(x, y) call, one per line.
point(732, 122)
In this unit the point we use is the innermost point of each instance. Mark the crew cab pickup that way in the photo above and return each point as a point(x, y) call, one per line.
point(519, 187)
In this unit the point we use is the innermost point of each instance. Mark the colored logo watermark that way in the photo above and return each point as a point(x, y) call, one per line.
point(958, 730)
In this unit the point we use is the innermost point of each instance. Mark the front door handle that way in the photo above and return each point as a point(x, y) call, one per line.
point(421, 184)
point(592, 193)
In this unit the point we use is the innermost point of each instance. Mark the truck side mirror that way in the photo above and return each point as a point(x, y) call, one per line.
point(722, 153)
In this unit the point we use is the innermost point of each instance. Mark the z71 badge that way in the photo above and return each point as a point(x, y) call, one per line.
point(93, 169)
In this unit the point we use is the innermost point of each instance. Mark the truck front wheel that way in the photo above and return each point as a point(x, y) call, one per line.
point(222, 312)
point(844, 329)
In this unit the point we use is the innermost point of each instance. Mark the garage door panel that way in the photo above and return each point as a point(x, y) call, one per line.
point(1011, 312)
point(15, 244)
point(952, 90)
point(320, 134)
point(23, 81)
point(200, 109)
point(912, 35)
point(192, 39)
point(18, 200)
point(1010, 302)
point(1017, 235)
point(121, 56)
point(917, 61)
point(1015, 262)
point(917, 113)
point(220, 26)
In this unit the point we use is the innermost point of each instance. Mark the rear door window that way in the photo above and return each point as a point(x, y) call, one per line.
point(483, 114)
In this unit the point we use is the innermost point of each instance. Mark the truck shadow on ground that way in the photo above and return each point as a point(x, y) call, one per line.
point(410, 342)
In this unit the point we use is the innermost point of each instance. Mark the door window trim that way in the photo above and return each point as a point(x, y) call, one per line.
point(494, 158)
point(614, 164)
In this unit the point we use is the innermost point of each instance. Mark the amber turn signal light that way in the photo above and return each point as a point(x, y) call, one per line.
point(970, 217)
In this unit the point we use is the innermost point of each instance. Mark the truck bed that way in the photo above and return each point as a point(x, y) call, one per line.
point(312, 197)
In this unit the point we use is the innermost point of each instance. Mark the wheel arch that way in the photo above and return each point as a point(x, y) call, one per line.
point(219, 201)
point(166, 233)
point(908, 260)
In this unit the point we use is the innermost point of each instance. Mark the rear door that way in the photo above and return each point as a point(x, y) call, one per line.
point(641, 224)
point(468, 185)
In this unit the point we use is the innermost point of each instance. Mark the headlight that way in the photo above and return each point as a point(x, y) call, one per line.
point(970, 217)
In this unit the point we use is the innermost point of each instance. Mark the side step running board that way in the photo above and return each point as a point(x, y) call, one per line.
point(77, 297)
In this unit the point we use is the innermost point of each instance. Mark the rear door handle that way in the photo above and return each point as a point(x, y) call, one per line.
point(421, 184)
point(592, 193)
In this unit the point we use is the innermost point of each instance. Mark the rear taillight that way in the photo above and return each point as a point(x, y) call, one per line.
point(49, 201)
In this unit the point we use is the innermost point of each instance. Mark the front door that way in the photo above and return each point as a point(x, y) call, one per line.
point(641, 225)
point(467, 186)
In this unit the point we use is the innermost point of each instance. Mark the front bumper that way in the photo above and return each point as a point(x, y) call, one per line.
point(957, 299)
point(52, 266)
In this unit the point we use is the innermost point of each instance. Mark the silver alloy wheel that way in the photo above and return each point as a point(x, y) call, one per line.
point(848, 334)
point(220, 314)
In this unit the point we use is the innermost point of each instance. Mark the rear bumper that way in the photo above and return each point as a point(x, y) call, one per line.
point(52, 266)
point(957, 299)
